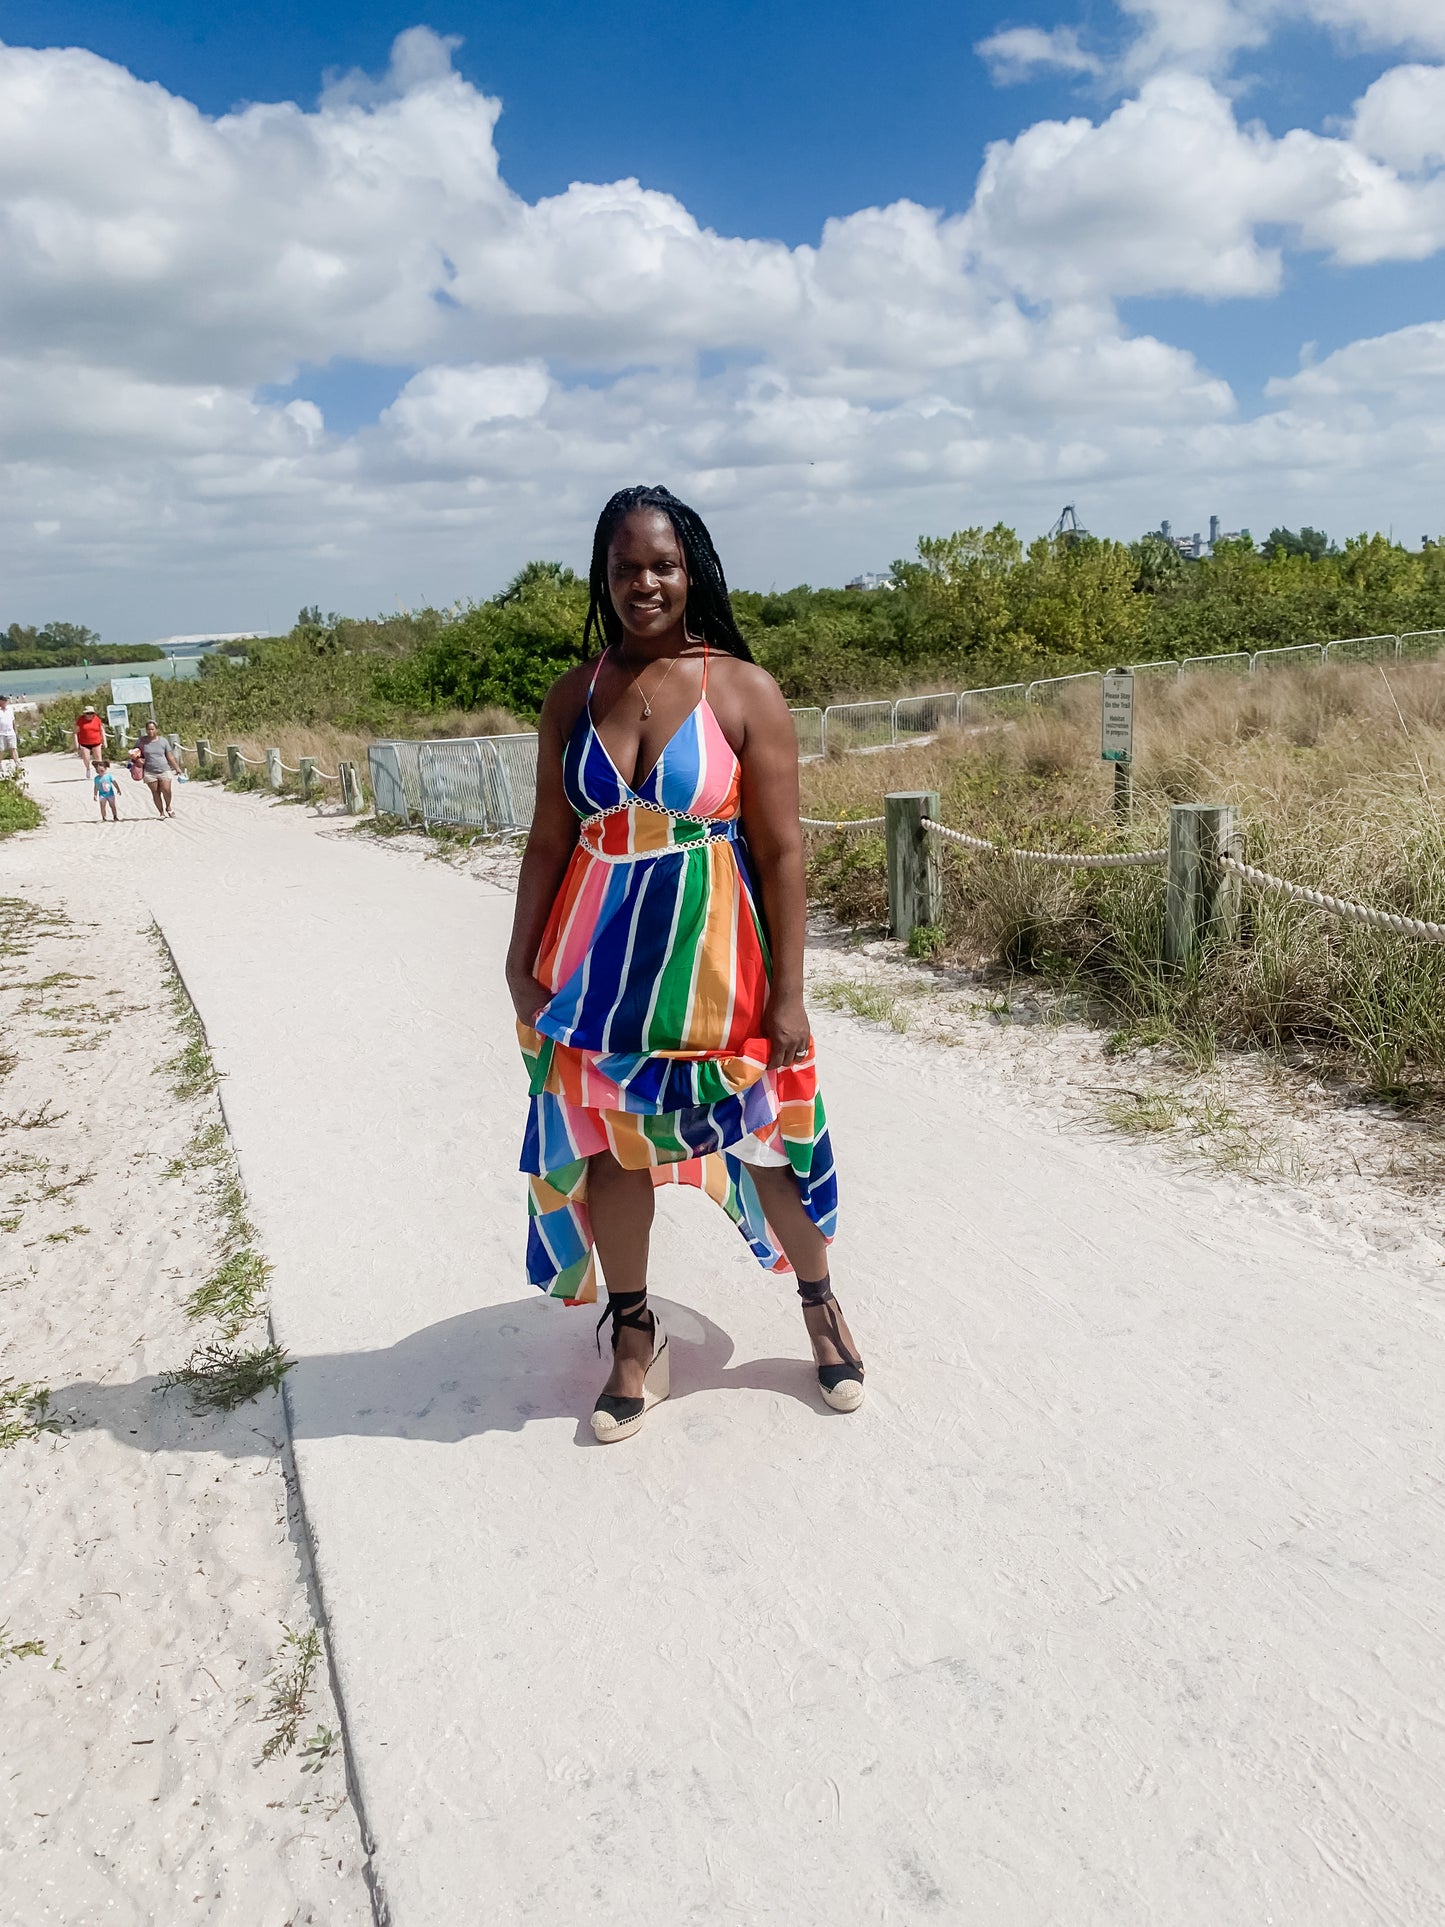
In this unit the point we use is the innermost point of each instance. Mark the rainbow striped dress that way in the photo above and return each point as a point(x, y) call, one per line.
point(651, 1044)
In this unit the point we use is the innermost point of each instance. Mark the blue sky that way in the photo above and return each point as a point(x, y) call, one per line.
point(1075, 367)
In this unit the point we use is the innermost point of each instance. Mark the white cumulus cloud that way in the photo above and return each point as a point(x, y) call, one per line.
point(170, 275)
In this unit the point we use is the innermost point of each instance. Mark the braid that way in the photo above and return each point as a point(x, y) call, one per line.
point(709, 611)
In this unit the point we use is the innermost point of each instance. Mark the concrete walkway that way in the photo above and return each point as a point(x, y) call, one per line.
point(1120, 1603)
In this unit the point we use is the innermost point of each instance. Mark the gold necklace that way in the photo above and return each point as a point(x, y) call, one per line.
point(636, 684)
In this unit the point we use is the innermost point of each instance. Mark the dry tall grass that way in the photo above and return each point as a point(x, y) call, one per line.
point(1339, 775)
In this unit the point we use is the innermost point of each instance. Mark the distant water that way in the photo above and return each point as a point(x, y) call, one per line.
point(26, 685)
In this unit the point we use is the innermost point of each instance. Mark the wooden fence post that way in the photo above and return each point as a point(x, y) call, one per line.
point(273, 768)
point(1202, 904)
point(203, 754)
point(351, 800)
point(308, 774)
point(915, 873)
point(235, 762)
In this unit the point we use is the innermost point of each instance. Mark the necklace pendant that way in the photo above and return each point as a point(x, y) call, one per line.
point(646, 711)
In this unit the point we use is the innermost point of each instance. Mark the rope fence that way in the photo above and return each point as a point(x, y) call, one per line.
point(1419, 927)
point(844, 823)
point(1202, 858)
point(1120, 860)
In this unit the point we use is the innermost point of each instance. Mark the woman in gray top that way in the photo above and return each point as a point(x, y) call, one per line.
point(156, 766)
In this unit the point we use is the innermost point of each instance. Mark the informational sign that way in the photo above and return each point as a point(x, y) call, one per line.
point(131, 689)
point(117, 715)
point(1118, 720)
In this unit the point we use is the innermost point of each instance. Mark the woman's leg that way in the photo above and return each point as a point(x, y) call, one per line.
point(153, 784)
point(807, 1252)
point(166, 793)
point(620, 1206)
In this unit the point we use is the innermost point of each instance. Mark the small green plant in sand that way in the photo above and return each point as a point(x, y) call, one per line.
point(12, 1223)
point(18, 1648)
point(316, 1751)
point(192, 1072)
point(24, 1412)
point(219, 1377)
point(291, 1679)
point(871, 1002)
point(40, 1119)
point(8, 1061)
point(23, 924)
point(234, 1292)
point(1211, 1131)
point(208, 1146)
point(70, 1231)
point(925, 940)
point(1143, 1113)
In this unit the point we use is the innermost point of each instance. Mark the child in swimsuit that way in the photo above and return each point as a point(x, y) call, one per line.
point(106, 790)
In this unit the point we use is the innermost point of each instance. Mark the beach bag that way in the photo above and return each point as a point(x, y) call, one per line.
point(135, 771)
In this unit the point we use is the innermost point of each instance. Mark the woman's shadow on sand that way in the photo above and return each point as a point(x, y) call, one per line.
point(496, 1369)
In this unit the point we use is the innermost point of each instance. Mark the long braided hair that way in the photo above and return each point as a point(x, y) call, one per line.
point(709, 612)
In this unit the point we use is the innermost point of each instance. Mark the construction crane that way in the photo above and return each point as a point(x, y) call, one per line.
point(1068, 528)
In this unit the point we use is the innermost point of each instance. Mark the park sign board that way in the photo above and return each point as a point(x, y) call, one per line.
point(131, 689)
point(1117, 744)
point(116, 715)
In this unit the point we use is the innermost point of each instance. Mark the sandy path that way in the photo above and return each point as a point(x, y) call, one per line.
point(1119, 1604)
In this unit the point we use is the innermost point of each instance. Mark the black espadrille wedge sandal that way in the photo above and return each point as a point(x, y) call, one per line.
point(615, 1418)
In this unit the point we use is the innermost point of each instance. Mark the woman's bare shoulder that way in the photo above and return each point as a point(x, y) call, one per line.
point(748, 682)
point(563, 702)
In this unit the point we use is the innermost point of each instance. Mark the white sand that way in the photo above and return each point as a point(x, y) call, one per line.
point(1119, 1603)
point(150, 1551)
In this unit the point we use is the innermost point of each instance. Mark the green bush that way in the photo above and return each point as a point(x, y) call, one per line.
point(18, 808)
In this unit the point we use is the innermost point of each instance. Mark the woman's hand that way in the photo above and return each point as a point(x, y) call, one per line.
point(785, 1025)
point(528, 997)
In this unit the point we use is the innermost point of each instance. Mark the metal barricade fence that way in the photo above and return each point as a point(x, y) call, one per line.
point(1238, 663)
point(858, 726)
point(516, 758)
point(1003, 699)
point(1293, 656)
point(1054, 689)
point(923, 715)
point(387, 787)
point(809, 725)
point(490, 782)
point(1362, 649)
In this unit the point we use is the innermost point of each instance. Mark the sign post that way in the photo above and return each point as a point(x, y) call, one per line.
point(117, 717)
point(133, 689)
point(1117, 738)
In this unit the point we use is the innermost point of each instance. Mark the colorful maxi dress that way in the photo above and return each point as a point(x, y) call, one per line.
point(651, 1044)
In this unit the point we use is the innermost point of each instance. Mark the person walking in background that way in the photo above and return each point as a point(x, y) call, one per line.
point(89, 738)
point(107, 790)
point(157, 766)
point(656, 963)
point(9, 737)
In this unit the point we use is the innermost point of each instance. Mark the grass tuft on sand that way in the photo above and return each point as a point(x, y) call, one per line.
point(219, 1377)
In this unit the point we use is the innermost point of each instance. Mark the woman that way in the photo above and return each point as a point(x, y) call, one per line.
point(156, 765)
point(89, 738)
point(656, 962)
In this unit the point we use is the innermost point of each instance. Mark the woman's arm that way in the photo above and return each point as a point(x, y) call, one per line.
point(769, 758)
point(550, 843)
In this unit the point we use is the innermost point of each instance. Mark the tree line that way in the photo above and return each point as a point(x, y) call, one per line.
point(966, 610)
point(62, 645)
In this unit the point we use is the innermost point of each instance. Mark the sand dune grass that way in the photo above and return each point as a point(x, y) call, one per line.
point(1339, 776)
